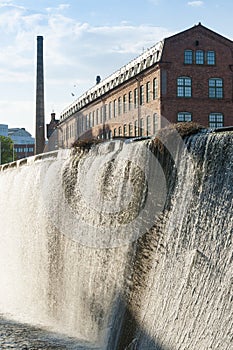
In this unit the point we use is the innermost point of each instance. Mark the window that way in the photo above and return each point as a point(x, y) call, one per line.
point(184, 117)
point(130, 129)
point(97, 116)
point(148, 125)
point(148, 92)
point(184, 87)
point(155, 88)
point(125, 130)
point(86, 125)
point(136, 128)
point(105, 116)
point(124, 104)
point(101, 114)
point(90, 120)
point(110, 110)
point(188, 56)
point(120, 131)
point(210, 57)
point(114, 108)
point(199, 57)
point(130, 100)
point(135, 98)
point(215, 88)
point(155, 123)
point(119, 106)
point(141, 129)
point(141, 94)
point(215, 120)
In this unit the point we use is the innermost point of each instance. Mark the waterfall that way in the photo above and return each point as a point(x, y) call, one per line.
point(127, 245)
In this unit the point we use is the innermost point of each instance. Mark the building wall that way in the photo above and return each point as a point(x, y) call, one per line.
point(81, 121)
point(198, 38)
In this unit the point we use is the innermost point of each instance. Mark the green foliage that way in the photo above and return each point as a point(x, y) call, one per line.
point(6, 150)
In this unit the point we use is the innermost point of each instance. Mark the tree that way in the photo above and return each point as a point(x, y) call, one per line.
point(6, 150)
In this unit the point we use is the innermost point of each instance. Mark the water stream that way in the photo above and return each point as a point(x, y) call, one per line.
point(124, 246)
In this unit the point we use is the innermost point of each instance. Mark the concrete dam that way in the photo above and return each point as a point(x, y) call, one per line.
point(123, 245)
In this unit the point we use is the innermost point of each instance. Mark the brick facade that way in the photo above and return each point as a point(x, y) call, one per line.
point(197, 63)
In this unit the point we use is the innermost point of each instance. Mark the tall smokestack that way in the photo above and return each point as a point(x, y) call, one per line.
point(40, 123)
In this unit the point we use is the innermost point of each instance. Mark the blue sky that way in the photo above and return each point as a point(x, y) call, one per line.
point(83, 39)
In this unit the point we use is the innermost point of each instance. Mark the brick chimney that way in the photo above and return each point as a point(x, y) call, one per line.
point(40, 122)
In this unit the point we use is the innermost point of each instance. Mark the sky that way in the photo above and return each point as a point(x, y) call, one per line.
point(83, 39)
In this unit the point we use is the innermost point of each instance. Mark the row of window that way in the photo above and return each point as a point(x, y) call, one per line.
point(123, 104)
point(24, 149)
point(184, 87)
point(147, 126)
point(215, 119)
point(199, 57)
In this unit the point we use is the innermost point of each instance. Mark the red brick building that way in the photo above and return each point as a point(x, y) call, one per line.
point(186, 77)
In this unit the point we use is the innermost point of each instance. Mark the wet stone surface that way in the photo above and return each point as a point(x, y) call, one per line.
point(23, 337)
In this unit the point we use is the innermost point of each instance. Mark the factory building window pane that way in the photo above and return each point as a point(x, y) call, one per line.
point(148, 92)
point(124, 104)
point(148, 125)
point(184, 117)
point(199, 57)
point(188, 56)
point(135, 98)
point(210, 57)
point(155, 88)
point(184, 87)
point(215, 88)
point(155, 123)
point(216, 120)
point(130, 100)
point(141, 94)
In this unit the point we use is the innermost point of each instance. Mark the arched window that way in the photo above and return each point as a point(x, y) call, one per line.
point(199, 57)
point(188, 56)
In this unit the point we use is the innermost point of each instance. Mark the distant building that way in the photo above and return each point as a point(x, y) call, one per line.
point(52, 125)
point(185, 77)
point(24, 143)
point(3, 130)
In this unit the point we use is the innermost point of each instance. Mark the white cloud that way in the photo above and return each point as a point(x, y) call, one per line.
point(74, 53)
point(196, 3)
point(60, 7)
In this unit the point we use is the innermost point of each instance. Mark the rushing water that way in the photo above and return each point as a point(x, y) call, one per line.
point(125, 246)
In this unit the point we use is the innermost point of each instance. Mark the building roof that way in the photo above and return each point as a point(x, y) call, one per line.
point(150, 57)
point(18, 132)
point(131, 69)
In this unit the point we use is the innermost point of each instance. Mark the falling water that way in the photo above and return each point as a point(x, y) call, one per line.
point(124, 246)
